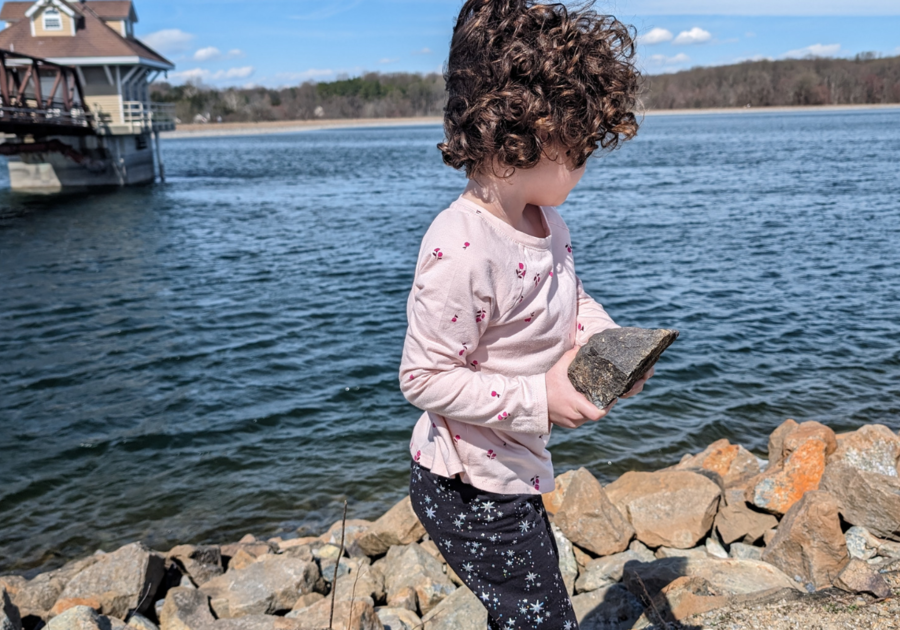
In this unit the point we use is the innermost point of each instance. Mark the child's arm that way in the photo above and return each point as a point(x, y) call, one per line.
point(446, 323)
point(592, 318)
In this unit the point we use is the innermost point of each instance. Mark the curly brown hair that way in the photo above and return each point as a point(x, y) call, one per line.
point(525, 76)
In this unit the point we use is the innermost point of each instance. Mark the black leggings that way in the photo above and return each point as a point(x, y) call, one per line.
point(500, 545)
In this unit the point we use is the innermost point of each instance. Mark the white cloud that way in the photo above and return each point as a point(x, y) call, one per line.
point(424, 51)
point(816, 50)
point(388, 60)
point(170, 40)
point(204, 74)
point(766, 8)
point(656, 36)
point(662, 60)
point(211, 53)
point(208, 54)
point(694, 36)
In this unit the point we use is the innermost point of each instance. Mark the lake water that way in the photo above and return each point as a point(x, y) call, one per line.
point(219, 355)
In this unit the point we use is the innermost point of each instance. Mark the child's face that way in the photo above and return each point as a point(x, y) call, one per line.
point(550, 182)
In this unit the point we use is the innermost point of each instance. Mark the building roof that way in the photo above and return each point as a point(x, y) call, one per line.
point(105, 9)
point(96, 39)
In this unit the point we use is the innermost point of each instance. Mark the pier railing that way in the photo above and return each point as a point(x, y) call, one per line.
point(149, 116)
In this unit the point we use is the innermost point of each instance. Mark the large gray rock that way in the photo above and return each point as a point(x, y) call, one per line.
point(123, 581)
point(871, 448)
point(411, 567)
point(140, 622)
point(9, 614)
point(270, 585)
point(567, 565)
point(85, 618)
point(730, 577)
point(200, 562)
point(37, 596)
point(461, 611)
point(733, 463)
point(601, 572)
point(185, 609)
point(667, 508)
point(612, 361)
point(397, 526)
point(589, 519)
point(859, 577)
point(866, 499)
point(736, 521)
point(261, 622)
point(609, 608)
point(370, 583)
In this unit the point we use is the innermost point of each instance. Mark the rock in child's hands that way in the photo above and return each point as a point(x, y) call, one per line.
point(639, 386)
point(566, 406)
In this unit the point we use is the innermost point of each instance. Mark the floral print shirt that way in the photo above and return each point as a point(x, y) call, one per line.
point(491, 310)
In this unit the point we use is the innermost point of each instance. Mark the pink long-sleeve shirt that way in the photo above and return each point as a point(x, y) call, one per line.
point(491, 310)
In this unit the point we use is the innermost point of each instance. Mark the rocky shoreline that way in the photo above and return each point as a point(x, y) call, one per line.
point(809, 538)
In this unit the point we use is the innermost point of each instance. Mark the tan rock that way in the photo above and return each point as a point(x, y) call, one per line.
point(303, 541)
point(732, 462)
point(776, 442)
point(736, 522)
point(745, 552)
point(123, 580)
point(769, 536)
point(730, 577)
point(253, 549)
point(553, 500)
point(365, 581)
point(356, 615)
point(397, 526)
point(271, 584)
point(185, 609)
point(609, 607)
point(809, 542)
point(84, 618)
point(64, 604)
point(306, 600)
point(404, 598)
point(859, 577)
point(432, 549)
point(670, 552)
point(240, 560)
point(871, 448)
point(669, 508)
point(36, 597)
point(780, 487)
point(588, 518)
point(582, 558)
point(199, 562)
point(410, 566)
point(602, 572)
point(460, 611)
point(866, 499)
point(398, 618)
point(137, 621)
point(354, 528)
point(258, 622)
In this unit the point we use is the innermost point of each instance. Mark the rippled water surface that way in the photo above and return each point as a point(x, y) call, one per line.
point(218, 355)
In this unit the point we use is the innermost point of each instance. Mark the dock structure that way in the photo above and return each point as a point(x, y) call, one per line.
point(75, 107)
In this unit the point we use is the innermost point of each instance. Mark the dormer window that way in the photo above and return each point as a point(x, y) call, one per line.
point(52, 20)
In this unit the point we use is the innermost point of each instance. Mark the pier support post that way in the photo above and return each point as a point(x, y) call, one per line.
point(162, 167)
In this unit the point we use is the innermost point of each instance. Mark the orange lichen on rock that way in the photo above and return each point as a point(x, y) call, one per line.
point(733, 463)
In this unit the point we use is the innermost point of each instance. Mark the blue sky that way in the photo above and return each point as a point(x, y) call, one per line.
point(278, 42)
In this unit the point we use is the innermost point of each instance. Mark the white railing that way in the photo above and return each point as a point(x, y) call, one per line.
point(149, 116)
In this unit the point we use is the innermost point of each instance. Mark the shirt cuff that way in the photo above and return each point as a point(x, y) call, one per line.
point(537, 422)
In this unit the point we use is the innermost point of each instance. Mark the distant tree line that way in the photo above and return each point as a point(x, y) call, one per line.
point(867, 79)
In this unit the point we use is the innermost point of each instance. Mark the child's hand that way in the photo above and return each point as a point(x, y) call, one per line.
point(639, 386)
point(566, 406)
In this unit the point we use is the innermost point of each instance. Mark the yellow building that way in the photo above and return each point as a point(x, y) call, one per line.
point(114, 69)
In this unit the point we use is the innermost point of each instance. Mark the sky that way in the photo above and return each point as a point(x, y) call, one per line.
point(277, 43)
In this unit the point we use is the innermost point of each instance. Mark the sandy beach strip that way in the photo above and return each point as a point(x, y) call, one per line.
point(212, 130)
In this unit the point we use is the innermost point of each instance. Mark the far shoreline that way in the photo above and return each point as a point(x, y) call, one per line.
point(221, 130)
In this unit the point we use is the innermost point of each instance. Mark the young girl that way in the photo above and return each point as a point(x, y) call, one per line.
point(496, 312)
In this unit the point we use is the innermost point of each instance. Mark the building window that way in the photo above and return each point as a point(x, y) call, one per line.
point(52, 20)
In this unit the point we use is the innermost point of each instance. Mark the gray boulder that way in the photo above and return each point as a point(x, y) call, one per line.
point(259, 622)
point(866, 499)
point(745, 552)
point(397, 526)
point(185, 609)
point(460, 611)
point(140, 622)
point(567, 565)
point(588, 518)
point(602, 572)
point(123, 581)
point(356, 615)
point(200, 562)
point(398, 618)
point(270, 585)
point(410, 566)
point(608, 608)
point(37, 596)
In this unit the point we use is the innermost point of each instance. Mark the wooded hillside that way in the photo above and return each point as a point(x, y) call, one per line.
point(864, 80)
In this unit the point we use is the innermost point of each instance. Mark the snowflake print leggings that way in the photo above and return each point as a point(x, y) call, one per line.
point(500, 545)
